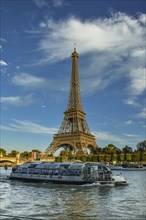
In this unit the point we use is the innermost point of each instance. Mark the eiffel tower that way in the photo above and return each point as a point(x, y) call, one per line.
point(74, 132)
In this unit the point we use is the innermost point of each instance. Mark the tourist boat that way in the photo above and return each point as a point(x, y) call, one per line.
point(129, 167)
point(66, 172)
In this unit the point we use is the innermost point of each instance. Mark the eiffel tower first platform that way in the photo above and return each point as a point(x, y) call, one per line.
point(74, 132)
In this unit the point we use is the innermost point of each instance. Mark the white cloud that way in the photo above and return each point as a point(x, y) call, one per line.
point(136, 85)
point(138, 52)
point(2, 40)
point(104, 138)
point(137, 81)
point(29, 127)
point(45, 3)
point(3, 63)
point(110, 55)
point(27, 80)
point(129, 122)
point(142, 19)
point(142, 114)
point(131, 135)
point(57, 3)
point(42, 25)
point(30, 82)
point(40, 3)
point(107, 136)
point(93, 37)
point(131, 101)
point(17, 100)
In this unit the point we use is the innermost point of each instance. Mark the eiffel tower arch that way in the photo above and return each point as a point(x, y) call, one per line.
point(74, 132)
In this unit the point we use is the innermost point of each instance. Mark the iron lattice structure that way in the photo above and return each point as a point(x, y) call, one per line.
point(74, 132)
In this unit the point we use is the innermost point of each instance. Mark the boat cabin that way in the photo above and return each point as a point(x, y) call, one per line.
point(86, 171)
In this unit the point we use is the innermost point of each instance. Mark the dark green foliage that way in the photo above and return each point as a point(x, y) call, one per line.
point(141, 146)
point(2, 151)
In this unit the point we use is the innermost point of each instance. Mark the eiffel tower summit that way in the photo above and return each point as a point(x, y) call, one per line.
point(74, 133)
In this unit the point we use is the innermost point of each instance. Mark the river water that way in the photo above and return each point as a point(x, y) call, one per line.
point(47, 201)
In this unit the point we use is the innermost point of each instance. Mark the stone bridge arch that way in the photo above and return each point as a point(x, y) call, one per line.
point(7, 161)
point(13, 160)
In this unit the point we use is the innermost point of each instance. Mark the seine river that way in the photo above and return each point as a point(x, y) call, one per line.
point(46, 201)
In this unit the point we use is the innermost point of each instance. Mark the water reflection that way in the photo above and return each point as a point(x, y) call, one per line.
point(79, 204)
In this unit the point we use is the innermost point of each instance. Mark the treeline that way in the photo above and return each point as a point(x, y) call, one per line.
point(25, 155)
point(109, 154)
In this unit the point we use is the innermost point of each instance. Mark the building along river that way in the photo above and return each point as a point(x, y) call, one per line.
point(46, 201)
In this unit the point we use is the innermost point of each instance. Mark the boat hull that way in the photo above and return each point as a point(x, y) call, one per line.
point(31, 178)
point(47, 178)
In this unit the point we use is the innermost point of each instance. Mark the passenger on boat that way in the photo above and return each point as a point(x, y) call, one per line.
point(14, 169)
point(5, 167)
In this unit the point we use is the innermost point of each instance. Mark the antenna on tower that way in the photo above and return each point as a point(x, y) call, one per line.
point(74, 47)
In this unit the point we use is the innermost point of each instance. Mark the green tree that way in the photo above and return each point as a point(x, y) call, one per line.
point(80, 152)
point(118, 151)
point(70, 155)
point(94, 158)
point(110, 149)
point(89, 157)
point(107, 158)
point(58, 159)
point(13, 153)
point(83, 158)
point(141, 146)
point(25, 155)
point(100, 150)
point(36, 150)
point(128, 157)
point(126, 150)
point(115, 157)
point(121, 157)
point(66, 153)
point(144, 156)
point(136, 156)
point(101, 158)
point(2, 151)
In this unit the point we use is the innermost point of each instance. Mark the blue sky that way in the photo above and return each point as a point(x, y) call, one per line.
point(37, 39)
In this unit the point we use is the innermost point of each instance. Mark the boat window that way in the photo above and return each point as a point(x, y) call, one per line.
point(106, 170)
point(100, 168)
point(32, 165)
point(64, 166)
point(56, 171)
point(76, 166)
point(95, 167)
point(26, 165)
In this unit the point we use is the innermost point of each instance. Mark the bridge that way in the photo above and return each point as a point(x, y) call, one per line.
point(17, 160)
point(8, 159)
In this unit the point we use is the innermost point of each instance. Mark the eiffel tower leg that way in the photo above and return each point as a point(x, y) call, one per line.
point(50, 149)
